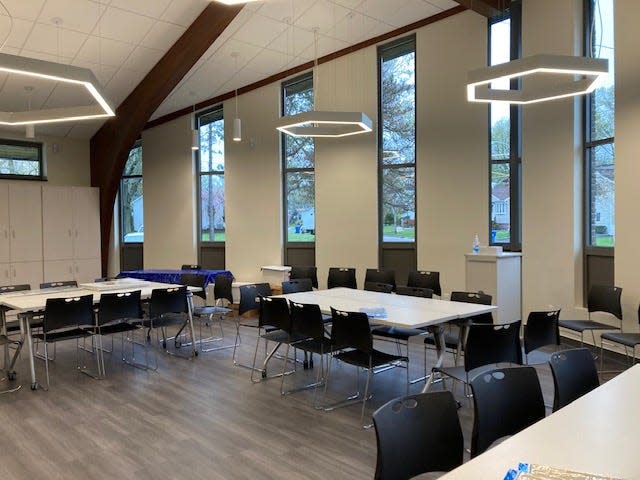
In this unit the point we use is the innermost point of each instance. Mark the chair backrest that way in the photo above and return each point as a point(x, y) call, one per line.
point(574, 374)
point(378, 287)
point(541, 329)
point(306, 319)
point(305, 272)
point(604, 298)
point(195, 280)
point(425, 279)
point(488, 344)
point(418, 434)
point(14, 288)
point(119, 306)
point(274, 312)
point(62, 313)
point(191, 267)
point(414, 291)
point(378, 275)
point(64, 283)
point(506, 401)
point(223, 288)
point(351, 330)
point(249, 296)
point(342, 277)
point(474, 297)
point(168, 300)
point(297, 285)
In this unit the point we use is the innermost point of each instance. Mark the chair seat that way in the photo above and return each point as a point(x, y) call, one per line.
point(397, 333)
point(210, 310)
point(120, 327)
point(460, 374)
point(361, 359)
point(626, 339)
point(277, 335)
point(314, 346)
point(70, 334)
point(582, 325)
point(164, 321)
point(450, 340)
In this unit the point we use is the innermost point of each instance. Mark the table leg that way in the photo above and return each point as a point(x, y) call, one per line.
point(25, 331)
point(191, 328)
point(438, 335)
point(3, 319)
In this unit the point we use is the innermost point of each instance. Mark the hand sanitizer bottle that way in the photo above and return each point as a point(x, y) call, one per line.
point(476, 244)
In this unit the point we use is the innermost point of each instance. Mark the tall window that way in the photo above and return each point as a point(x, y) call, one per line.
point(504, 137)
point(397, 155)
point(298, 157)
point(21, 160)
point(600, 129)
point(131, 197)
point(211, 173)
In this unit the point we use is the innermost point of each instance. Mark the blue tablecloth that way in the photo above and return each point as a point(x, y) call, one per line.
point(172, 276)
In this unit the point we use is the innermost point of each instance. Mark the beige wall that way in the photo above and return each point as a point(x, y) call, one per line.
point(169, 195)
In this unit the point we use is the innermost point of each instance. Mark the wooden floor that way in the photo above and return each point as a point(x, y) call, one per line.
point(199, 418)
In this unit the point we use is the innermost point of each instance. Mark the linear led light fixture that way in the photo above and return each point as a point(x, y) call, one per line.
point(318, 124)
point(591, 69)
point(57, 72)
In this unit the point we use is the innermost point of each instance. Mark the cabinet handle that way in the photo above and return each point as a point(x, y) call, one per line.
point(76, 233)
point(13, 233)
point(70, 232)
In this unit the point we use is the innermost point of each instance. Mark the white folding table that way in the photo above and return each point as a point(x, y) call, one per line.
point(27, 302)
point(597, 434)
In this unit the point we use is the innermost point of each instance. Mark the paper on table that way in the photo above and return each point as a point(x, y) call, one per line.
point(527, 471)
point(374, 312)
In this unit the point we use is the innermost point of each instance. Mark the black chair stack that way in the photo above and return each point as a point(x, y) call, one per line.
point(378, 276)
point(540, 331)
point(297, 285)
point(342, 277)
point(311, 273)
point(248, 312)
point(425, 279)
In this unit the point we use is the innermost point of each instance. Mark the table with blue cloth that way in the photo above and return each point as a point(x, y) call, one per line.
point(173, 276)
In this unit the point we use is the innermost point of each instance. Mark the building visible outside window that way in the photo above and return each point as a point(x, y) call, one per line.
point(298, 157)
point(131, 197)
point(211, 173)
point(504, 137)
point(21, 160)
point(397, 157)
point(600, 130)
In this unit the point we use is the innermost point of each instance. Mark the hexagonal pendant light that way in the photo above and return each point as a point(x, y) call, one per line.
point(56, 72)
point(590, 69)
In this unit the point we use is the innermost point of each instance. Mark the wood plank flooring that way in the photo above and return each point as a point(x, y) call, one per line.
point(198, 418)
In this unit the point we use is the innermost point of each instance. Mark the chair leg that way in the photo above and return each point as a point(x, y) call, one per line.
point(284, 369)
point(46, 362)
point(366, 394)
point(255, 355)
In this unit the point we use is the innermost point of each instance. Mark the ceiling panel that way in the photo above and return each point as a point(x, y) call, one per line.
point(124, 26)
point(184, 12)
point(162, 35)
point(65, 94)
point(153, 8)
point(18, 34)
point(142, 59)
point(25, 9)
point(105, 51)
point(79, 15)
point(54, 40)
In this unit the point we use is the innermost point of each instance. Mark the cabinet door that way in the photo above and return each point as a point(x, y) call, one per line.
point(4, 223)
point(58, 270)
point(86, 219)
point(26, 272)
point(86, 271)
point(25, 220)
point(57, 222)
point(5, 274)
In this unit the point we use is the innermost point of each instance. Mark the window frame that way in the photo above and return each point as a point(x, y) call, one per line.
point(41, 164)
point(407, 45)
point(217, 112)
point(515, 136)
point(123, 177)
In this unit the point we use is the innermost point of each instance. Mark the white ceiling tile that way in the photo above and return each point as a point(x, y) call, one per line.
point(269, 62)
point(443, 4)
point(64, 95)
point(124, 26)
point(184, 12)
point(19, 32)
point(142, 59)
point(354, 28)
point(292, 41)
point(103, 73)
point(162, 35)
point(285, 9)
point(122, 84)
point(153, 8)
point(326, 45)
point(407, 14)
point(381, 9)
point(259, 30)
point(79, 15)
point(105, 51)
point(26, 9)
point(45, 56)
point(14, 97)
point(244, 50)
point(323, 14)
point(55, 41)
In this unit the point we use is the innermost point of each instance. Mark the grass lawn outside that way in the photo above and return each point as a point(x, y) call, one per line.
point(389, 230)
point(604, 241)
point(301, 237)
point(219, 237)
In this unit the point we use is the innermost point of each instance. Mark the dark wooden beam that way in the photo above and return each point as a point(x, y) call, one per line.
point(486, 8)
point(109, 147)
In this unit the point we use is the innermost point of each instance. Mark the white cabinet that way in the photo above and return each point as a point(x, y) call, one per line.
point(86, 222)
point(26, 272)
point(4, 224)
point(5, 274)
point(87, 270)
point(57, 222)
point(25, 222)
point(80, 270)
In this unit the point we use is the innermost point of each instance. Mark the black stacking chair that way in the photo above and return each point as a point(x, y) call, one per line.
point(487, 346)
point(223, 290)
point(626, 339)
point(311, 273)
point(377, 275)
point(168, 307)
point(14, 327)
point(120, 313)
point(601, 298)
point(248, 311)
point(540, 331)
point(67, 319)
point(7, 330)
point(342, 277)
point(418, 434)
point(506, 401)
point(191, 267)
point(414, 291)
point(297, 285)
point(205, 314)
point(64, 283)
point(574, 374)
point(378, 287)
point(425, 279)
point(307, 323)
point(351, 338)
